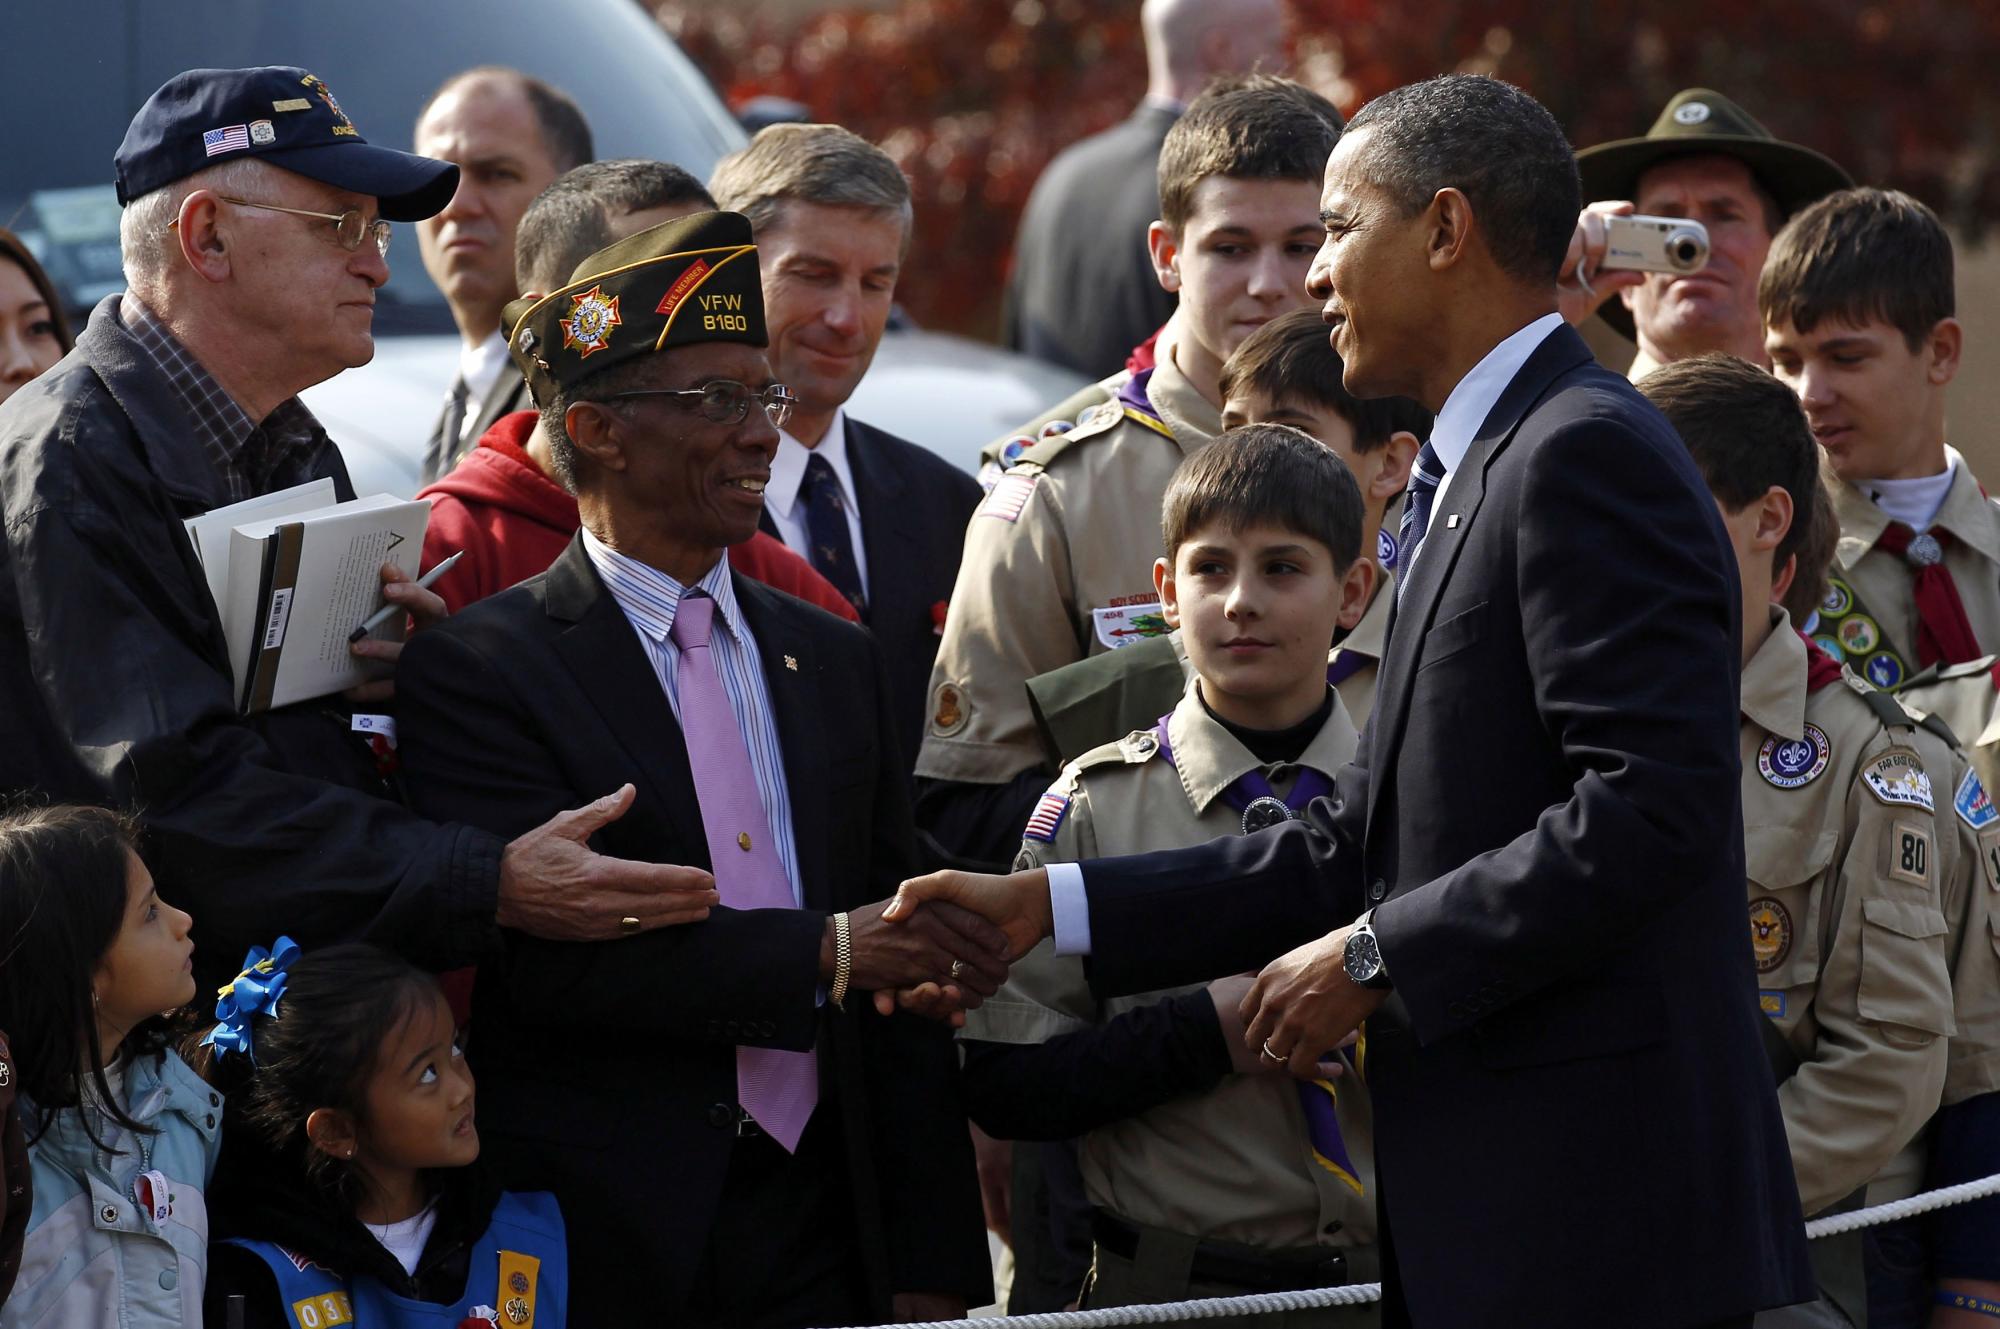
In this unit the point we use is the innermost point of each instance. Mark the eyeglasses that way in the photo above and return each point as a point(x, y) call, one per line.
point(726, 401)
point(350, 228)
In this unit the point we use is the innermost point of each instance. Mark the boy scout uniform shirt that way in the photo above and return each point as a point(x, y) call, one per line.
point(1845, 850)
point(1058, 565)
point(1355, 678)
point(997, 456)
point(1870, 613)
point(1234, 1164)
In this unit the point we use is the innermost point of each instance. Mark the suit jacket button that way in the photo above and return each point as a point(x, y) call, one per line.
point(766, 1030)
point(1377, 889)
point(722, 1116)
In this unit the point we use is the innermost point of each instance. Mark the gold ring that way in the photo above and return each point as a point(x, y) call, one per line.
point(1267, 1051)
point(957, 968)
point(628, 925)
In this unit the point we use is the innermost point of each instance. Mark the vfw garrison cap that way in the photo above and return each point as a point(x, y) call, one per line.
point(276, 113)
point(693, 279)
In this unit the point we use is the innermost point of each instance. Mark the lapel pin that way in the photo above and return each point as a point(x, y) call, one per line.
point(1451, 522)
point(792, 663)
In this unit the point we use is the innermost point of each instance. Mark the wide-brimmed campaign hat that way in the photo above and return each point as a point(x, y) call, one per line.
point(1696, 122)
point(280, 114)
point(692, 279)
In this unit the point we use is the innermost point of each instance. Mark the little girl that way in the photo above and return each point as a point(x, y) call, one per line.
point(122, 1134)
point(366, 1204)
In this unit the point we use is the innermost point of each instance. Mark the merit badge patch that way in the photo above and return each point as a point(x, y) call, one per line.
point(1791, 763)
point(1048, 817)
point(592, 315)
point(1973, 804)
point(949, 712)
point(1771, 1003)
point(1896, 779)
point(1770, 932)
point(1859, 634)
point(1010, 495)
point(1122, 625)
point(1826, 642)
point(1011, 450)
point(1884, 670)
point(1838, 599)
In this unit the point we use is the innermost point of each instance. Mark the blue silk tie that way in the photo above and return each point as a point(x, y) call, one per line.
point(1425, 477)
point(832, 550)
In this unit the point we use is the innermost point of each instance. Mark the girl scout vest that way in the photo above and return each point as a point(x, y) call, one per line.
point(518, 1278)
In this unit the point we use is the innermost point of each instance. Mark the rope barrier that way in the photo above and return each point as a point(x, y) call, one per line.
point(1356, 1294)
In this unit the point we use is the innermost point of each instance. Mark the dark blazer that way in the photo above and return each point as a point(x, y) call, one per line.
point(508, 394)
point(607, 1070)
point(1083, 293)
point(1572, 1106)
point(914, 507)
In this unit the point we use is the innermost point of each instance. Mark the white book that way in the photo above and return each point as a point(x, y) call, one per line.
point(294, 581)
point(210, 531)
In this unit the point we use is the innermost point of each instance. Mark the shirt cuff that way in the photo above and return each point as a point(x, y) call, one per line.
point(1069, 903)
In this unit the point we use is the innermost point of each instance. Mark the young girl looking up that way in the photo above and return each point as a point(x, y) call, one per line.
point(366, 1204)
point(122, 1134)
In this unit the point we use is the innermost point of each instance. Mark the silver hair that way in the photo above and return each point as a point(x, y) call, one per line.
point(813, 164)
point(142, 230)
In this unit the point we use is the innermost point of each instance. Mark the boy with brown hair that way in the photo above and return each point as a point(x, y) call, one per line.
point(1054, 565)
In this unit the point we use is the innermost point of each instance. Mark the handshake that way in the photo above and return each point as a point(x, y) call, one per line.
point(960, 930)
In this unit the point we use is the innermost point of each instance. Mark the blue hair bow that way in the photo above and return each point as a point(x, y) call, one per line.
point(256, 989)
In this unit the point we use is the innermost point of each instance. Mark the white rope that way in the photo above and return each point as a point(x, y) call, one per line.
point(1356, 1294)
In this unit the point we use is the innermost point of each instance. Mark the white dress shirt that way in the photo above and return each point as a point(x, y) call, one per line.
point(650, 598)
point(480, 366)
point(786, 505)
point(1458, 424)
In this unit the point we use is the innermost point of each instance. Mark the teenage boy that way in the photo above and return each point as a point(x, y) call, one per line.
point(1054, 566)
point(1211, 1175)
point(1857, 303)
point(1854, 868)
point(1288, 373)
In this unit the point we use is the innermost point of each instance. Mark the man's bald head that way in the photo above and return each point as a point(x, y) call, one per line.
point(1188, 42)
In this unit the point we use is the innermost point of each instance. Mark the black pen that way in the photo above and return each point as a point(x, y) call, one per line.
point(390, 610)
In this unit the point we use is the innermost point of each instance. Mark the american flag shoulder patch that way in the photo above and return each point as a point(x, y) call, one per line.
point(1048, 817)
point(229, 138)
point(1010, 495)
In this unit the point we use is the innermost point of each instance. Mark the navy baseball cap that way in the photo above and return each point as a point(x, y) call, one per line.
point(279, 114)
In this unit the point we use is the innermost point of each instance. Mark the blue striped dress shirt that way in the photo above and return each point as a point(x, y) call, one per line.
point(649, 598)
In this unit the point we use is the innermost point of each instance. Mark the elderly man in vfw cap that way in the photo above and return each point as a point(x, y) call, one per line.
point(1708, 159)
point(254, 238)
point(736, 1136)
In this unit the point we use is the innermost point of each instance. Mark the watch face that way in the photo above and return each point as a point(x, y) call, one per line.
point(1363, 959)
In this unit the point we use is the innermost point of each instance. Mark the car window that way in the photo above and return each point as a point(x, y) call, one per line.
point(382, 58)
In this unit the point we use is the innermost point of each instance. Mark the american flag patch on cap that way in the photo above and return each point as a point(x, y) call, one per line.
point(229, 138)
point(1048, 815)
point(1010, 494)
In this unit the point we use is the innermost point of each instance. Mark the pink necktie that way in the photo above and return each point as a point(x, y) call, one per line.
point(778, 1089)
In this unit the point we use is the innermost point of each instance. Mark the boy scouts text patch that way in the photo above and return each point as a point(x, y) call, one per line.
point(1790, 763)
point(1896, 779)
point(1048, 817)
point(1770, 933)
point(1973, 804)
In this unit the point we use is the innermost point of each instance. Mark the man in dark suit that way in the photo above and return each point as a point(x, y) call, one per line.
point(1575, 1121)
point(1083, 290)
point(879, 517)
point(734, 1138)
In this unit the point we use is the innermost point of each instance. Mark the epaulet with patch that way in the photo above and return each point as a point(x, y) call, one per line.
point(1134, 749)
point(1098, 420)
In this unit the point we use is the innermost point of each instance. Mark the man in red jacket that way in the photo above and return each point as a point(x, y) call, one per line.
point(501, 504)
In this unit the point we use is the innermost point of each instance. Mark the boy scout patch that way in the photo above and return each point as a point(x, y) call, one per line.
point(1048, 817)
point(1909, 848)
point(1858, 634)
point(1123, 625)
point(1884, 670)
point(1790, 763)
point(1770, 933)
point(1771, 1003)
point(1826, 642)
point(1838, 598)
point(949, 713)
point(1385, 548)
point(1011, 493)
point(1973, 804)
point(1898, 780)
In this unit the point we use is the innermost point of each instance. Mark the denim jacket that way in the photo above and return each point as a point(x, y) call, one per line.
point(95, 1258)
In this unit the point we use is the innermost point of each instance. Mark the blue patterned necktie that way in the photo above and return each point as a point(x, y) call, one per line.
point(1425, 477)
point(832, 550)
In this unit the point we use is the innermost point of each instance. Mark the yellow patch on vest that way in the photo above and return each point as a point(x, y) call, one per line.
point(328, 1308)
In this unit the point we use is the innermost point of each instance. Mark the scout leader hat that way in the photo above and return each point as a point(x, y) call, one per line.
point(693, 279)
point(1700, 121)
point(279, 114)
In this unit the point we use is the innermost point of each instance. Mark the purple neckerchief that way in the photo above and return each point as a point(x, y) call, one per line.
point(1251, 785)
point(1133, 394)
point(1346, 665)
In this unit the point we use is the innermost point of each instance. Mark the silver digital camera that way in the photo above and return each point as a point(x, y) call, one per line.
point(1655, 244)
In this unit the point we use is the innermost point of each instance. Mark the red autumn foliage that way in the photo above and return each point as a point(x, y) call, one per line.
point(972, 97)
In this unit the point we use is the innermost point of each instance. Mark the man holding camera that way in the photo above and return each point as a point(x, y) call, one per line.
point(1709, 160)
